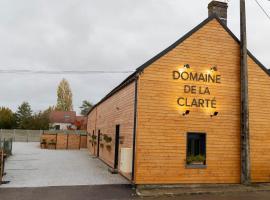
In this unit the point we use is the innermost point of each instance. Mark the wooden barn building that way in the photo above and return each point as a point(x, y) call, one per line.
point(176, 119)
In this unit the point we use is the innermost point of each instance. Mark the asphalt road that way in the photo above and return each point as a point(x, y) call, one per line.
point(119, 192)
point(108, 192)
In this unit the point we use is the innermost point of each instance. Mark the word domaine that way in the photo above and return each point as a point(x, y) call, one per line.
point(193, 89)
point(199, 77)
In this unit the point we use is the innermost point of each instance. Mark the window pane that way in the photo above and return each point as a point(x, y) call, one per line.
point(196, 148)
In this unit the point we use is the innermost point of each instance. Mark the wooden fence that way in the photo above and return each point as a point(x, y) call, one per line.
point(63, 140)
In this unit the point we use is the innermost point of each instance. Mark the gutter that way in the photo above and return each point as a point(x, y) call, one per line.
point(134, 128)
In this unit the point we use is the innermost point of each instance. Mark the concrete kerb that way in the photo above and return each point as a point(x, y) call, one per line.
point(185, 190)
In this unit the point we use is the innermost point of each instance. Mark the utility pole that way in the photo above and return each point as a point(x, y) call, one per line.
point(245, 147)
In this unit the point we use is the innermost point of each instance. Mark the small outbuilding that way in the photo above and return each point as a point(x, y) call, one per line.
point(177, 118)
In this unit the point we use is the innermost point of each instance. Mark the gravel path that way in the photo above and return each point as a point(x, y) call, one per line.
point(30, 166)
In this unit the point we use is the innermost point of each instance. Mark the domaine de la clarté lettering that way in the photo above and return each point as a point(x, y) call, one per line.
point(206, 78)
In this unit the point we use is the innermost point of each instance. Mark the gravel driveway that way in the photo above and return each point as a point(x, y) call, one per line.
point(30, 166)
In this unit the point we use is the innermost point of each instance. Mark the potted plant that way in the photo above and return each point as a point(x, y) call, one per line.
point(108, 141)
point(43, 144)
point(52, 144)
point(101, 145)
point(196, 160)
point(101, 141)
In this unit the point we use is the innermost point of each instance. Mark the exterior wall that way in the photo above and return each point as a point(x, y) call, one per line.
point(91, 130)
point(162, 129)
point(118, 109)
point(259, 97)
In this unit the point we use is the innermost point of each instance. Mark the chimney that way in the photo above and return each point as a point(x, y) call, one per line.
point(219, 8)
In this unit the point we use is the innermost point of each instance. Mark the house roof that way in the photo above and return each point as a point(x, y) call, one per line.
point(134, 75)
point(62, 117)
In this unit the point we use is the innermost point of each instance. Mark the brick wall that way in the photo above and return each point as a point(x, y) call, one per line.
point(118, 109)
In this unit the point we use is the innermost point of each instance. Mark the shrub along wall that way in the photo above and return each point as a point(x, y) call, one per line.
point(64, 141)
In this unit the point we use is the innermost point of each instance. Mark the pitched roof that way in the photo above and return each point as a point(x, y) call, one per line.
point(134, 75)
point(62, 117)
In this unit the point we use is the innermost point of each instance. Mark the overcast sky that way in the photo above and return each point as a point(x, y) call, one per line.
point(99, 35)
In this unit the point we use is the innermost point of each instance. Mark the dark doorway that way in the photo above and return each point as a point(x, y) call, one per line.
point(116, 150)
point(98, 141)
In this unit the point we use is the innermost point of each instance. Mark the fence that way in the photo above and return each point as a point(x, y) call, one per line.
point(19, 135)
point(59, 140)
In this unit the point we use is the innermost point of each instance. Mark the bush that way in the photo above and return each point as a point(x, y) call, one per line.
point(198, 158)
point(107, 138)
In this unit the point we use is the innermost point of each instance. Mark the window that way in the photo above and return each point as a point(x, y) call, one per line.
point(196, 149)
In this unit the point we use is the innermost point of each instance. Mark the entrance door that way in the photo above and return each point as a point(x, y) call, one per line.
point(116, 150)
point(98, 141)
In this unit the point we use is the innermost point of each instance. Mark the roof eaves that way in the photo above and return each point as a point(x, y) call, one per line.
point(214, 16)
point(124, 83)
point(182, 39)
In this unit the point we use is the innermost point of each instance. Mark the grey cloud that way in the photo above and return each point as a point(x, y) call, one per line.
point(98, 35)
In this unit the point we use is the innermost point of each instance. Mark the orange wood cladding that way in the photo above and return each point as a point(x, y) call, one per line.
point(162, 130)
point(118, 109)
point(259, 97)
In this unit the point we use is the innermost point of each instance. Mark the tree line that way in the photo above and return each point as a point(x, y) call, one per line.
point(25, 118)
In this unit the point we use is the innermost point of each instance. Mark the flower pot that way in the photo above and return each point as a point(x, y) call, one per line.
point(197, 163)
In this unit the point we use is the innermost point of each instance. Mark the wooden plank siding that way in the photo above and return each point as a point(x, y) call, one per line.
point(118, 109)
point(162, 130)
point(259, 105)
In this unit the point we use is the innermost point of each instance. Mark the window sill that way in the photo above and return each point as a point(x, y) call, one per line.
point(191, 166)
